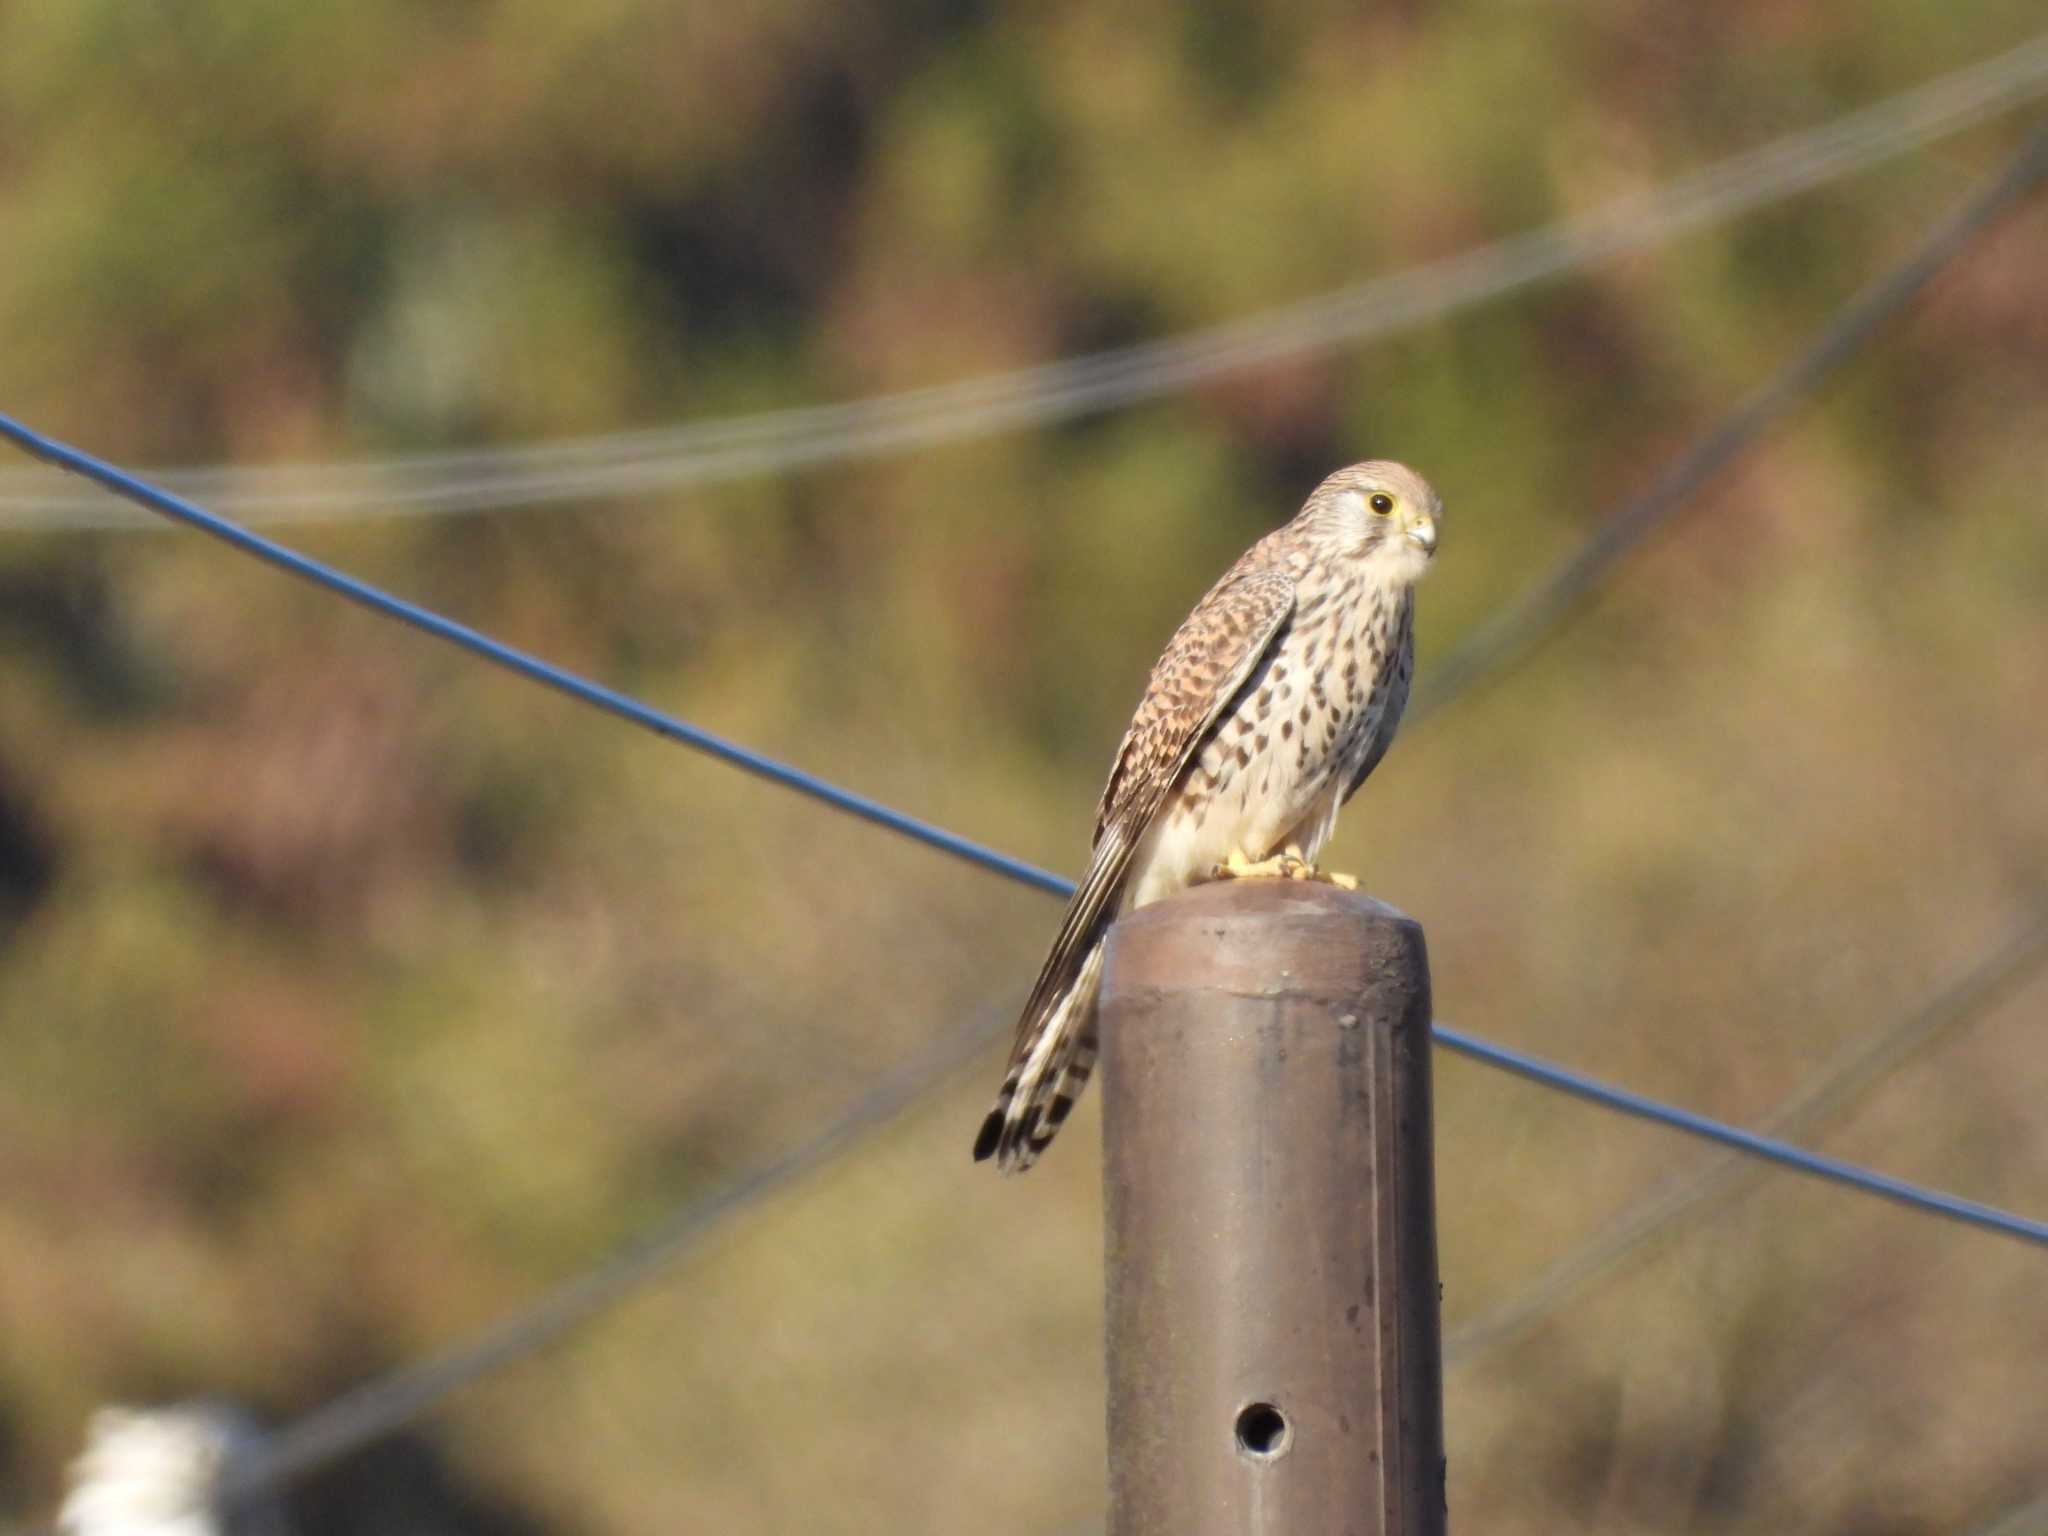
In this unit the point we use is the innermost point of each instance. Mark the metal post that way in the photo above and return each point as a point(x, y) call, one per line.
point(1274, 1352)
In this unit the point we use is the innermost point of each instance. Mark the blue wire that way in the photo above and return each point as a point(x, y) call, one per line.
point(529, 666)
point(1562, 1079)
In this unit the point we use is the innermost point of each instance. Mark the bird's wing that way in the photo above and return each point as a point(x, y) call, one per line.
point(1402, 664)
point(1204, 665)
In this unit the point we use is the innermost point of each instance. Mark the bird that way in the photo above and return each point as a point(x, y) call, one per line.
point(1271, 704)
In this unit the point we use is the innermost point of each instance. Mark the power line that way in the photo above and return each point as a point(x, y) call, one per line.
point(2030, 1519)
point(667, 459)
point(1753, 1143)
point(417, 1390)
point(592, 1292)
point(1543, 607)
point(1530, 617)
point(381, 1406)
point(331, 1436)
point(386, 1404)
point(529, 666)
point(1993, 977)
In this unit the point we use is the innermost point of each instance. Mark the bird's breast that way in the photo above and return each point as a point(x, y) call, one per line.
point(1305, 715)
point(1277, 762)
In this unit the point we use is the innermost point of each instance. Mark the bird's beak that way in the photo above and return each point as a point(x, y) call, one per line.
point(1422, 533)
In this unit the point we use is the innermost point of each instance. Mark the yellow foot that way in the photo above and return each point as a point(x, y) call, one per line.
point(1279, 867)
point(1287, 865)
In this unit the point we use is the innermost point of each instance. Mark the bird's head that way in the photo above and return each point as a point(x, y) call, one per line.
point(1381, 512)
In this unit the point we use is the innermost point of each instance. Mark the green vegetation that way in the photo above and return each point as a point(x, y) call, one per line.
point(351, 993)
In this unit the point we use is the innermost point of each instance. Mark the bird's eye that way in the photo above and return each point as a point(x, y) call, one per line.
point(1382, 503)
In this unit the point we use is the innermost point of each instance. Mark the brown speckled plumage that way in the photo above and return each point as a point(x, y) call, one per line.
point(1268, 708)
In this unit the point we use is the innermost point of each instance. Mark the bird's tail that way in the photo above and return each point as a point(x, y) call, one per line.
point(1048, 1070)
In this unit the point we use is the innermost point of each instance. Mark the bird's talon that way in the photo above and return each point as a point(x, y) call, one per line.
point(1287, 865)
point(1238, 867)
point(1298, 868)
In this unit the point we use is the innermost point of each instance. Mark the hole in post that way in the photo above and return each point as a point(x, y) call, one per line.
point(1262, 1430)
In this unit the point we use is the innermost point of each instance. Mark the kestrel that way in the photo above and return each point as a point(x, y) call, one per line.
point(1271, 704)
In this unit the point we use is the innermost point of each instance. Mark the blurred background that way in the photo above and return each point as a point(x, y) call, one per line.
point(353, 993)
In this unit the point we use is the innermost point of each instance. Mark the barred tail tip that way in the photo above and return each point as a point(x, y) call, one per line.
point(1040, 1090)
point(990, 1133)
point(1047, 1073)
point(1009, 1132)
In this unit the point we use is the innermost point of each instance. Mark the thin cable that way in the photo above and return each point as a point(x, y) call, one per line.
point(1538, 612)
point(1482, 657)
point(428, 1386)
point(667, 726)
point(382, 1406)
point(667, 459)
point(2021, 1520)
point(1833, 1170)
point(1994, 976)
point(371, 1413)
point(529, 666)
point(386, 1404)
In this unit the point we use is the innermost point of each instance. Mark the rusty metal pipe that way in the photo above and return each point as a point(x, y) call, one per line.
point(1274, 1348)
